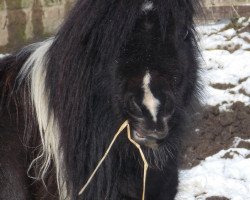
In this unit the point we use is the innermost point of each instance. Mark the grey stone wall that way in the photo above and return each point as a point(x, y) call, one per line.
point(216, 3)
point(22, 20)
point(220, 9)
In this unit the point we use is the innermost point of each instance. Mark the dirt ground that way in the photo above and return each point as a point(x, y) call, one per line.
point(215, 131)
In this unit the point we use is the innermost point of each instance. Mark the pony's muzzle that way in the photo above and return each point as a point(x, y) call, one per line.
point(149, 138)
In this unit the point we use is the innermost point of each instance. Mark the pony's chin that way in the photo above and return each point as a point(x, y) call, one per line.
point(145, 141)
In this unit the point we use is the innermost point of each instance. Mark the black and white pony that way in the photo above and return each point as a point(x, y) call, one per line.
point(62, 100)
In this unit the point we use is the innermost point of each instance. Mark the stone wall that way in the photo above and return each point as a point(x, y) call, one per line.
point(209, 3)
point(220, 9)
point(22, 20)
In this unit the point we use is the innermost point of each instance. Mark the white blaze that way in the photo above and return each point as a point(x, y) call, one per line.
point(149, 100)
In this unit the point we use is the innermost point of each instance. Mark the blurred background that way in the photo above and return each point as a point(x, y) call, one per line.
point(23, 21)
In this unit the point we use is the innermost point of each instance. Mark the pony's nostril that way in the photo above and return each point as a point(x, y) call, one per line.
point(169, 110)
point(166, 118)
point(133, 107)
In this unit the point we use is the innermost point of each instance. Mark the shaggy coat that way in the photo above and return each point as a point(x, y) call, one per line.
point(63, 99)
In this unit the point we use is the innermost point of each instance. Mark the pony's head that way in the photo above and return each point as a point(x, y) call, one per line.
point(157, 69)
point(111, 61)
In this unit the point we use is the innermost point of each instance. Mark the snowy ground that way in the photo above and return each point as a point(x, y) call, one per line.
point(225, 174)
point(226, 52)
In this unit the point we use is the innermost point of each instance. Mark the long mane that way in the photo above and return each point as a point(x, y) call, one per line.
point(70, 91)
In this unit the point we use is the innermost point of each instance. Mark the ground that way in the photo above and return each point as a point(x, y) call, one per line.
point(215, 162)
point(216, 159)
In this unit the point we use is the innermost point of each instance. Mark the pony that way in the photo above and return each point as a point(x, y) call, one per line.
point(63, 99)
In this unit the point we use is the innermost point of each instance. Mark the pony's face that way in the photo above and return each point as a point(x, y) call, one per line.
point(149, 105)
point(158, 74)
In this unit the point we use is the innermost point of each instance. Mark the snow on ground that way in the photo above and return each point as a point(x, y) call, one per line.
point(2, 55)
point(226, 76)
point(226, 62)
point(225, 174)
